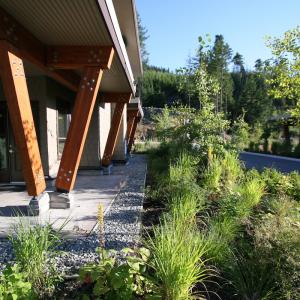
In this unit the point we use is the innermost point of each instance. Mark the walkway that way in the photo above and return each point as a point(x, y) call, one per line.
point(261, 161)
point(91, 189)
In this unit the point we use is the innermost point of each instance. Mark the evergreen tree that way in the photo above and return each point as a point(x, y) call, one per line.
point(143, 36)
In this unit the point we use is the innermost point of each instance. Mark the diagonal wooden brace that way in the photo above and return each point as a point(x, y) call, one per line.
point(132, 133)
point(113, 132)
point(81, 117)
point(131, 114)
point(18, 102)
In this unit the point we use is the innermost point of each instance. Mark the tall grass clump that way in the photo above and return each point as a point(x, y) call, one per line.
point(223, 172)
point(250, 195)
point(212, 175)
point(178, 259)
point(183, 169)
point(34, 247)
point(185, 207)
point(232, 169)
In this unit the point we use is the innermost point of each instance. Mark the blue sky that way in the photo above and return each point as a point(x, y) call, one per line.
point(174, 26)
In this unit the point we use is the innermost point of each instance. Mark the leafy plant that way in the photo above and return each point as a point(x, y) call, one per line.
point(178, 259)
point(14, 284)
point(34, 247)
point(232, 169)
point(111, 280)
point(250, 276)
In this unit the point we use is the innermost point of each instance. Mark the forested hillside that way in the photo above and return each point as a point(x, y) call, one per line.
point(265, 96)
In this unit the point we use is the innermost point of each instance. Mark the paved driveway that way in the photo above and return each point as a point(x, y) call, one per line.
point(260, 161)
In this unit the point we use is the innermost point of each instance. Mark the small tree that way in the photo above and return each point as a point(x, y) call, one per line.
point(284, 78)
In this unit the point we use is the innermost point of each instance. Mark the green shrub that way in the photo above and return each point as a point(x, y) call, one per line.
point(15, 285)
point(223, 172)
point(250, 276)
point(275, 148)
point(112, 280)
point(185, 207)
point(232, 169)
point(34, 248)
point(177, 259)
point(276, 182)
point(277, 238)
point(220, 235)
point(250, 193)
point(212, 176)
point(183, 169)
point(294, 191)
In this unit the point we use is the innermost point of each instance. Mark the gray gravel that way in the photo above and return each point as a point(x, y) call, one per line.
point(122, 223)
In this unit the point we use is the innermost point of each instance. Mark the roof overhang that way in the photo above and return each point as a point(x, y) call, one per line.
point(127, 17)
point(135, 105)
point(33, 25)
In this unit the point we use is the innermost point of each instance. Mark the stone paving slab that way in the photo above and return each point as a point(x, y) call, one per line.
point(91, 189)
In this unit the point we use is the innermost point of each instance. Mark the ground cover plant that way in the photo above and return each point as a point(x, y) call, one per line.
point(248, 220)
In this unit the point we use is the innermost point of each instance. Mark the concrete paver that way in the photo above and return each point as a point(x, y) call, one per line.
point(91, 189)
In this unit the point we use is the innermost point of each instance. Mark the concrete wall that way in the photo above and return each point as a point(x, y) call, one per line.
point(91, 152)
point(54, 92)
point(104, 124)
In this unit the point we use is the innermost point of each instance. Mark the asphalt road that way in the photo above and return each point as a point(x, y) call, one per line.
point(261, 161)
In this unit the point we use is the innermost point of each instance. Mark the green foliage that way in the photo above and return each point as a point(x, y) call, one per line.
point(34, 249)
point(177, 258)
point(277, 239)
point(284, 71)
point(240, 134)
point(14, 284)
point(223, 172)
point(276, 182)
point(111, 280)
point(251, 276)
point(143, 36)
point(160, 87)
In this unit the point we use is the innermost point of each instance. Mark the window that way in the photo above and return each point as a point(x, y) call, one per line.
point(64, 119)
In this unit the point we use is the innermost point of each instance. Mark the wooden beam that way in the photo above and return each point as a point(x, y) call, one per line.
point(115, 97)
point(31, 49)
point(131, 115)
point(132, 133)
point(18, 102)
point(113, 134)
point(81, 117)
point(130, 122)
point(75, 57)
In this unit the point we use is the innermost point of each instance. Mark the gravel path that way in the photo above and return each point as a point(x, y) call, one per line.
point(122, 223)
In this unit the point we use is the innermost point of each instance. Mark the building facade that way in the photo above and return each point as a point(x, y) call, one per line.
point(68, 100)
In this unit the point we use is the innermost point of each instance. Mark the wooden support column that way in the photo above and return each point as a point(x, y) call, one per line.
point(130, 122)
point(132, 133)
point(114, 130)
point(81, 116)
point(18, 102)
point(131, 114)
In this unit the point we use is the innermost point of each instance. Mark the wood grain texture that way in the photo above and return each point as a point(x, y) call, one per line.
point(113, 134)
point(31, 49)
point(81, 117)
point(75, 57)
point(131, 114)
point(132, 133)
point(115, 97)
point(18, 102)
